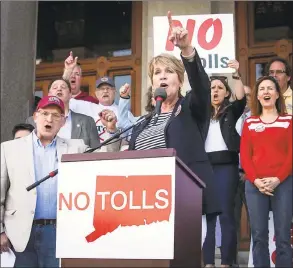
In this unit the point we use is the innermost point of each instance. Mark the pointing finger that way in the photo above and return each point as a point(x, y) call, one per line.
point(75, 60)
point(169, 15)
point(71, 54)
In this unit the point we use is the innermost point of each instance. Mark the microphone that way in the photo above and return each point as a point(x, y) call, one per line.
point(115, 136)
point(159, 96)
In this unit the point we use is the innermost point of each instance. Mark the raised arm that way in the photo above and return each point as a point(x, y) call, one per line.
point(69, 65)
point(239, 104)
point(125, 117)
point(238, 107)
point(238, 85)
point(199, 97)
point(85, 107)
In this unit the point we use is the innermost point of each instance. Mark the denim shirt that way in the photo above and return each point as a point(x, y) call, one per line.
point(45, 161)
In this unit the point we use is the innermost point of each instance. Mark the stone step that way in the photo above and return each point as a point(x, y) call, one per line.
point(242, 258)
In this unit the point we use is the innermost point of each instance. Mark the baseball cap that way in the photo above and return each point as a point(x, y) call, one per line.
point(50, 100)
point(105, 80)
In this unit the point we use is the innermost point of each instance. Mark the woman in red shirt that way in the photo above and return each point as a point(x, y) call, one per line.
point(266, 157)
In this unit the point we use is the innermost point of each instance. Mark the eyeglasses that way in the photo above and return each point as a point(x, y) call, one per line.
point(55, 116)
point(219, 77)
point(276, 72)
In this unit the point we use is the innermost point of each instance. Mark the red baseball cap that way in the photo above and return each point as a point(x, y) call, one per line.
point(51, 100)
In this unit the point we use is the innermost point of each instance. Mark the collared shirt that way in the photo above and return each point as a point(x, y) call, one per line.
point(45, 161)
point(288, 100)
point(65, 131)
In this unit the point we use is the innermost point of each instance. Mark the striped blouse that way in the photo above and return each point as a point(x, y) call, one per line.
point(153, 136)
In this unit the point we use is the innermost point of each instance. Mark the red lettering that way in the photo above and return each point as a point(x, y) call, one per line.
point(63, 200)
point(77, 204)
point(202, 32)
point(201, 35)
point(85, 205)
point(176, 23)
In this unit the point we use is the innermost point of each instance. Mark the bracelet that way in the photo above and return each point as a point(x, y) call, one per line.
point(236, 77)
point(125, 98)
point(112, 133)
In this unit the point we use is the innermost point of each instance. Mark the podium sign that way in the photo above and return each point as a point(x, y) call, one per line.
point(116, 209)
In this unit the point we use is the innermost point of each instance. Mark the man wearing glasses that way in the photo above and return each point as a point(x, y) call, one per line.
point(280, 69)
point(28, 219)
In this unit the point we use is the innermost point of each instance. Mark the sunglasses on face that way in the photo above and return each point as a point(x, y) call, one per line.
point(219, 77)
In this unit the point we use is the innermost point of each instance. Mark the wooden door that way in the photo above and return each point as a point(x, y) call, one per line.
point(249, 49)
point(257, 69)
point(253, 52)
point(121, 68)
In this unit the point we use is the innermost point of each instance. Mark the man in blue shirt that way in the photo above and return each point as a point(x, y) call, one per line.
point(28, 219)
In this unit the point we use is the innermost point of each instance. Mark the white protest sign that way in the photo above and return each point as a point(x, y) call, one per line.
point(116, 209)
point(212, 35)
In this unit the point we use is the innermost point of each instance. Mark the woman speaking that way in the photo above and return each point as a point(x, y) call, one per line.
point(182, 122)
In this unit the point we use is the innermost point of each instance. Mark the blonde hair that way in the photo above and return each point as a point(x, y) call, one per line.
point(167, 60)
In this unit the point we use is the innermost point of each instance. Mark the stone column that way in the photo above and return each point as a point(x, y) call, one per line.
point(18, 61)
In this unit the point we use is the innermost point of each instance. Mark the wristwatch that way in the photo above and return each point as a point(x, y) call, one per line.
point(236, 76)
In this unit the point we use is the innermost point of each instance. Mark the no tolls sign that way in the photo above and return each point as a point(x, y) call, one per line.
point(211, 35)
point(116, 209)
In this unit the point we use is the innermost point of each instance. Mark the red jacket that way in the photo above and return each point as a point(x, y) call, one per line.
point(85, 97)
point(266, 149)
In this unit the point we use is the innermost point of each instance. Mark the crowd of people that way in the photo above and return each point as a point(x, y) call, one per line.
point(238, 141)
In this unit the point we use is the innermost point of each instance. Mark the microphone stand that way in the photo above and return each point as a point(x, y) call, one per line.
point(115, 136)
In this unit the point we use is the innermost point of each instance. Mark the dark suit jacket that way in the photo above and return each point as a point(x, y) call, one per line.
point(187, 129)
point(83, 127)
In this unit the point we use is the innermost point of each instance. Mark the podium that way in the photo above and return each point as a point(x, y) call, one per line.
point(152, 195)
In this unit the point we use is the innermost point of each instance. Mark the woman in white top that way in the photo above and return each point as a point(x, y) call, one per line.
point(222, 146)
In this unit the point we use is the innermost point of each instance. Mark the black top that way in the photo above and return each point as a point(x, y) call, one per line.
point(186, 131)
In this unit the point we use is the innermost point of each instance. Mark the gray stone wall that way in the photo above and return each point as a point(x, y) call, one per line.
point(18, 57)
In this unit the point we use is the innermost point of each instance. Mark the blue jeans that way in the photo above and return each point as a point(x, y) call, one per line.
point(226, 181)
point(40, 250)
point(258, 209)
